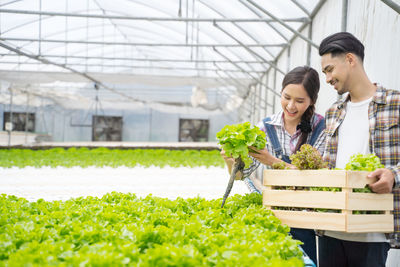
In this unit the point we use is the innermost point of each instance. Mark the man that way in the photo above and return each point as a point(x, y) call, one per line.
point(367, 120)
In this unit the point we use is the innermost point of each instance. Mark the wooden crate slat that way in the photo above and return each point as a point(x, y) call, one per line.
point(304, 199)
point(358, 179)
point(312, 220)
point(347, 201)
point(319, 178)
point(365, 223)
point(370, 201)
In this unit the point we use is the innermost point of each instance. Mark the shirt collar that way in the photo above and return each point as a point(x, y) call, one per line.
point(277, 119)
point(379, 97)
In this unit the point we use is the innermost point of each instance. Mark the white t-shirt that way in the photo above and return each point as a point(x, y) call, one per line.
point(354, 138)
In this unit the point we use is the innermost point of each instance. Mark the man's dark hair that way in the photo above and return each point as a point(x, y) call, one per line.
point(341, 43)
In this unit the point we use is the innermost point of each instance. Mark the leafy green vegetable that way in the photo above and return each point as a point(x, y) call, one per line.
point(308, 158)
point(123, 230)
point(361, 162)
point(235, 140)
point(101, 157)
point(280, 166)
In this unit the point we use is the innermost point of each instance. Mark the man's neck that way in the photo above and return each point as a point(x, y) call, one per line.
point(361, 89)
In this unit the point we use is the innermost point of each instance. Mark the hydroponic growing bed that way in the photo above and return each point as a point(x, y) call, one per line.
point(125, 229)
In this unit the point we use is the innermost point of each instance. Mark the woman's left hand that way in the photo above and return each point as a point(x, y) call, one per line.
point(262, 155)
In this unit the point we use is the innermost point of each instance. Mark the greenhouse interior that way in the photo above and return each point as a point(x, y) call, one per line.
point(138, 133)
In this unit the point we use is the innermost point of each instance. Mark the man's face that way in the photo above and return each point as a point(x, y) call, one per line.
point(336, 70)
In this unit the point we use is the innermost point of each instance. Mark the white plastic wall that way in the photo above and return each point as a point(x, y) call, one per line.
point(373, 22)
point(138, 125)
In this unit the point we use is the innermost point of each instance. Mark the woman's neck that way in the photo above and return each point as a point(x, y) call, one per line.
point(290, 126)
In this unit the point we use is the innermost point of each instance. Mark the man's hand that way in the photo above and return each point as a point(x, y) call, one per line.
point(385, 181)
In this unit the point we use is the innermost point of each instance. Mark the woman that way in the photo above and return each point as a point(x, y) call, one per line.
point(286, 131)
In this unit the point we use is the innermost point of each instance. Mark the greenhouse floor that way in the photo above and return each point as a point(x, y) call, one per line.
point(63, 183)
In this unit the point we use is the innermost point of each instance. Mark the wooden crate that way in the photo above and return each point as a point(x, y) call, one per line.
point(346, 201)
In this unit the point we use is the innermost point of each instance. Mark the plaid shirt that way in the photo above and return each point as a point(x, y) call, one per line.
point(287, 141)
point(384, 131)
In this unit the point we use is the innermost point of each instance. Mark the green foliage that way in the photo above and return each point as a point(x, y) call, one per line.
point(280, 166)
point(101, 157)
point(123, 230)
point(235, 140)
point(308, 158)
point(361, 162)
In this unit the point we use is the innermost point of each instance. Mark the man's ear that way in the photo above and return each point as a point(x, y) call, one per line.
point(351, 58)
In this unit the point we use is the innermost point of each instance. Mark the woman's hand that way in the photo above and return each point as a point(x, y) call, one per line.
point(262, 155)
point(225, 157)
point(229, 161)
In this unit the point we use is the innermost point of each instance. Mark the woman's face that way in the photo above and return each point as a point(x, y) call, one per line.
point(294, 101)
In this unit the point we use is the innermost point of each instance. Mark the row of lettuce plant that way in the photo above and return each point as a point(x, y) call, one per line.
point(124, 230)
point(102, 157)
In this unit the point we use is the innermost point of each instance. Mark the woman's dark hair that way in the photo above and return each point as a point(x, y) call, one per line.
point(341, 43)
point(308, 77)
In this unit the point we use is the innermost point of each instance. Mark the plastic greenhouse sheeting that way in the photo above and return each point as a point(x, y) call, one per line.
point(123, 46)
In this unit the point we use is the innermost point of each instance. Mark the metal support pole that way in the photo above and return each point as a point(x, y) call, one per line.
point(141, 59)
point(248, 49)
point(288, 59)
point(254, 10)
point(284, 24)
point(393, 5)
point(143, 67)
point(139, 44)
point(301, 7)
point(344, 15)
point(313, 14)
point(236, 24)
point(266, 95)
point(98, 16)
point(259, 101)
point(255, 78)
point(274, 97)
point(26, 117)
point(40, 28)
point(309, 45)
point(11, 117)
point(254, 103)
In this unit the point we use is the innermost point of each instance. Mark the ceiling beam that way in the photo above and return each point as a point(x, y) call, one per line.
point(134, 67)
point(393, 5)
point(136, 44)
point(143, 59)
point(180, 19)
point(251, 75)
point(246, 47)
point(284, 24)
point(301, 7)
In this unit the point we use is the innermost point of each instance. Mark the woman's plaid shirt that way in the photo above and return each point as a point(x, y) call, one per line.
point(384, 132)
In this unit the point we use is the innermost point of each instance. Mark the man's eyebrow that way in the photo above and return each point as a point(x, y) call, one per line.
point(324, 70)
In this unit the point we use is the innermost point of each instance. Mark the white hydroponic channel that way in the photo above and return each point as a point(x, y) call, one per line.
point(64, 183)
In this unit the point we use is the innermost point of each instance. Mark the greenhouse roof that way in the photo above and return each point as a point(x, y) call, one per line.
point(145, 51)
